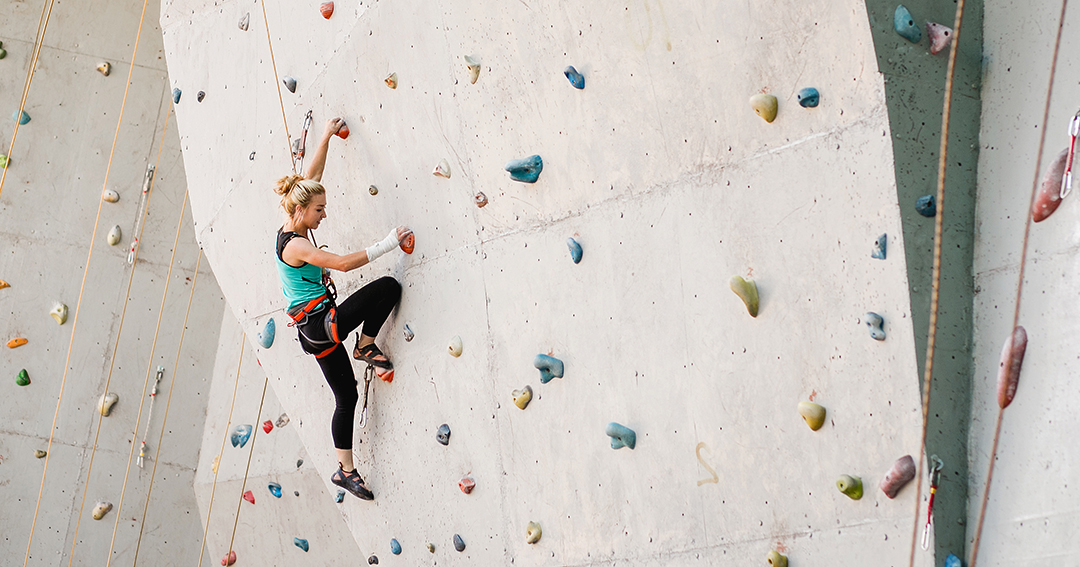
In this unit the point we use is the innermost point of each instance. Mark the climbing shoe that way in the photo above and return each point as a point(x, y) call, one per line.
point(352, 482)
point(371, 355)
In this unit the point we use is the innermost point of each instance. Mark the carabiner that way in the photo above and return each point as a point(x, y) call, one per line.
point(1066, 178)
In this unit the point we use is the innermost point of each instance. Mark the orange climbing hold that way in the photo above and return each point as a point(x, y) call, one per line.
point(384, 374)
point(3, 284)
point(15, 343)
point(342, 132)
point(327, 9)
point(408, 244)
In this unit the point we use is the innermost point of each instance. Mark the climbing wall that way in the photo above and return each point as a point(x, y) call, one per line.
point(669, 181)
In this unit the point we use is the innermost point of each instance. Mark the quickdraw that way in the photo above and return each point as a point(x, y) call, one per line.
point(369, 375)
point(935, 476)
point(299, 145)
point(1066, 179)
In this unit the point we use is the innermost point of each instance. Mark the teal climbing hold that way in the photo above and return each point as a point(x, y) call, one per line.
point(525, 170)
point(876, 324)
point(926, 205)
point(176, 95)
point(274, 489)
point(880, 244)
point(575, 250)
point(575, 78)
point(953, 561)
point(905, 25)
point(459, 544)
point(340, 496)
point(621, 436)
point(240, 435)
point(266, 335)
point(395, 547)
point(23, 379)
point(808, 97)
point(300, 542)
point(549, 366)
point(22, 118)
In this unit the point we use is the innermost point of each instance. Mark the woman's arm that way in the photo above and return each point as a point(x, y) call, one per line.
point(301, 250)
point(318, 160)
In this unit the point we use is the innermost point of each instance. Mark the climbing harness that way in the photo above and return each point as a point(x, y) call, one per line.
point(299, 145)
point(148, 182)
point(935, 476)
point(1066, 179)
point(150, 414)
point(369, 375)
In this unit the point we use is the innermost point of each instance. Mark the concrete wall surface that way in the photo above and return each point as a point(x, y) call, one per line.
point(48, 208)
point(1032, 514)
point(672, 185)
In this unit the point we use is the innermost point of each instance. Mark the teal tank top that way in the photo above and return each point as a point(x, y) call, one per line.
point(300, 285)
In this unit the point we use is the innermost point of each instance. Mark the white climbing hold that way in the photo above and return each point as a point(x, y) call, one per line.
point(114, 235)
point(443, 169)
point(59, 312)
point(104, 68)
point(391, 80)
point(101, 509)
point(455, 347)
point(107, 402)
point(282, 420)
point(110, 196)
point(474, 68)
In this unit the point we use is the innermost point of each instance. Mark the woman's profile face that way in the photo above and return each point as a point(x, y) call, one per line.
point(314, 213)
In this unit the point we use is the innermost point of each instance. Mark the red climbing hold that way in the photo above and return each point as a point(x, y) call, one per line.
point(249, 497)
point(1049, 197)
point(1012, 358)
point(342, 132)
point(466, 484)
point(408, 244)
point(327, 9)
point(229, 559)
point(267, 426)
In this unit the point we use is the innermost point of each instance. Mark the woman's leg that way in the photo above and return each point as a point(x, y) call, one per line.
point(370, 305)
point(338, 371)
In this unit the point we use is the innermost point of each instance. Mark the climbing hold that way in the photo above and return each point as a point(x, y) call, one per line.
point(747, 291)
point(4, 161)
point(575, 250)
point(443, 434)
point(3, 52)
point(106, 403)
point(576, 79)
point(876, 324)
point(104, 68)
point(940, 37)
point(813, 414)
point(391, 80)
point(1049, 196)
point(474, 68)
point(296, 493)
point(176, 95)
point(199, 96)
point(455, 346)
point(243, 23)
point(39, 453)
point(15, 343)
point(282, 420)
point(395, 547)
point(373, 190)
point(110, 196)
point(274, 489)
point(299, 463)
point(808, 97)
point(343, 132)
point(926, 205)
point(240, 435)
point(522, 397)
point(408, 244)
point(533, 532)
point(249, 497)
point(549, 366)
point(765, 105)
point(101, 509)
point(373, 560)
point(326, 9)
point(525, 170)
point(214, 465)
point(23, 379)
point(775, 559)
point(340, 496)
point(953, 561)
point(1012, 357)
point(265, 337)
point(60, 313)
point(880, 245)
point(229, 559)
point(268, 426)
point(4, 284)
point(904, 25)
point(409, 335)
point(901, 473)
point(459, 544)
point(480, 199)
point(466, 484)
point(22, 118)
point(443, 169)
point(114, 235)
point(431, 547)
point(850, 485)
point(290, 83)
point(301, 543)
point(621, 436)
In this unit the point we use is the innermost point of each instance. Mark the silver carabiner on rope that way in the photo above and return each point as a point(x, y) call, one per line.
point(299, 145)
point(1066, 178)
point(369, 375)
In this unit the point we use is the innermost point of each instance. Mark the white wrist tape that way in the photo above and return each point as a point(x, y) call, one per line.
point(383, 246)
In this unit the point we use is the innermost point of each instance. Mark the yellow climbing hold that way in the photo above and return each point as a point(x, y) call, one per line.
point(107, 402)
point(533, 532)
point(59, 312)
point(114, 235)
point(747, 291)
point(39, 453)
point(101, 509)
point(110, 196)
point(214, 466)
point(764, 105)
point(15, 343)
point(814, 414)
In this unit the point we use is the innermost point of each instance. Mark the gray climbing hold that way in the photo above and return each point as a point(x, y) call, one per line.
point(525, 170)
point(340, 496)
point(176, 95)
point(880, 247)
point(575, 250)
point(301, 543)
point(265, 337)
point(21, 118)
point(459, 544)
point(876, 324)
point(240, 435)
point(200, 95)
point(901, 473)
point(905, 25)
point(850, 486)
point(299, 463)
point(114, 235)
point(409, 335)
point(282, 420)
point(575, 78)
point(621, 436)
point(290, 83)
point(101, 509)
point(443, 434)
point(808, 97)
point(274, 489)
point(373, 560)
point(926, 205)
point(243, 23)
point(549, 366)
point(296, 493)
point(395, 547)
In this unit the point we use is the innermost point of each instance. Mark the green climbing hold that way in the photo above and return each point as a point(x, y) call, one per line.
point(22, 118)
point(775, 559)
point(747, 291)
point(3, 53)
point(23, 379)
point(850, 485)
point(4, 161)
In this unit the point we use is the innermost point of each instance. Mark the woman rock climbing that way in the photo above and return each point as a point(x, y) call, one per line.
point(321, 322)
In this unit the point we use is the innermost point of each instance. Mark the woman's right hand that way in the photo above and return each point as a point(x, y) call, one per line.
point(403, 232)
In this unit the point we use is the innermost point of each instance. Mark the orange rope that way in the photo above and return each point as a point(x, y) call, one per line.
point(243, 485)
point(281, 101)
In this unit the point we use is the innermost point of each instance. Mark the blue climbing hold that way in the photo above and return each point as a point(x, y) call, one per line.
point(395, 547)
point(808, 97)
point(525, 170)
point(240, 435)
point(459, 544)
point(22, 118)
point(340, 497)
point(443, 434)
point(549, 366)
point(880, 244)
point(926, 205)
point(876, 324)
point(275, 489)
point(575, 250)
point(176, 96)
point(953, 561)
point(266, 336)
point(621, 436)
point(576, 79)
point(905, 25)
point(300, 542)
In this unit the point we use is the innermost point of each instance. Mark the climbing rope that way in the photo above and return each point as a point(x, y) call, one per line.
point(82, 288)
point(39, 40)
point(116, 348)
point(168, 402)
point(1020, 276)
point(217, 467)
point(281, 100)
point(243, 485)
point(935, 286)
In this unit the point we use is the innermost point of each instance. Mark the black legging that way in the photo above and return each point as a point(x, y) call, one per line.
point(370, 305)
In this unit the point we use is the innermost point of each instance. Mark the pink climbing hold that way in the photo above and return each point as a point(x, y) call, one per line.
point(466, 484)
point(901, 473)
point(1049, 196)
point(940, 37)
point(1012, 357)
point(229, 559)
point(268, 426)
point(249, 497)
